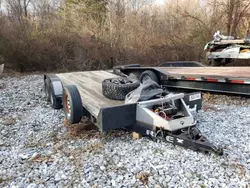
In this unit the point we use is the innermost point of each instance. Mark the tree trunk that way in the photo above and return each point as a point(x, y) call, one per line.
point(230, 11)
point(25, 7)
point(236, 16)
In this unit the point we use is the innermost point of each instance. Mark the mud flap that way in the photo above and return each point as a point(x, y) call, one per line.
point(116, 117)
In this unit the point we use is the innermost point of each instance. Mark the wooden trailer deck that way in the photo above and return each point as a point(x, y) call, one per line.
point(89, 85)
point(214, 72)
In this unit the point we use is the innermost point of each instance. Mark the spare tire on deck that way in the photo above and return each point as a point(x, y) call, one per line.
point(148, 74)
point(118, 88)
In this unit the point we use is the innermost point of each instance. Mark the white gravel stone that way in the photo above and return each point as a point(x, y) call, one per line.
point(23, 156)
point(32, 185)
point(113, 183)
point(34, 156)
point(102, 168)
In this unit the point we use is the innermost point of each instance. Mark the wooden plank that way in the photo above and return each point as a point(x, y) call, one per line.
point(229, 42)
point(89, 84)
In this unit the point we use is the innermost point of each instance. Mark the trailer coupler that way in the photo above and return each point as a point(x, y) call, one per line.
point(190, 138)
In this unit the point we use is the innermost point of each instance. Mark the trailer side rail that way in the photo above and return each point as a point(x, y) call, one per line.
point(231, 80)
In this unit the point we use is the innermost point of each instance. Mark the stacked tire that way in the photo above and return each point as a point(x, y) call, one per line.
point(118, 88)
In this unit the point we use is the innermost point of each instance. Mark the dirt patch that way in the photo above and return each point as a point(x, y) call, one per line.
point(9, 121)
point(225, 99)
point(143, 177)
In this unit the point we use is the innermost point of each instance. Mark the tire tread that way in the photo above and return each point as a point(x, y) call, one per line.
point(118, 91)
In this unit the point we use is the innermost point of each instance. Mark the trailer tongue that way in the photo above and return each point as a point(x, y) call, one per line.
point(161, 121)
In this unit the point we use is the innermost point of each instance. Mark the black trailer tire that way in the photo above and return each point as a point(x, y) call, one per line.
point(216, 62)
point(72, 104)
point(112, 89)
point(47, 89)
point(148, 74)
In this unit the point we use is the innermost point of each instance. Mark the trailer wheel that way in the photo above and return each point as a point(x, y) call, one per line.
point(118, 88)
point(47, 89)
point(148, 75)
point(72, 104)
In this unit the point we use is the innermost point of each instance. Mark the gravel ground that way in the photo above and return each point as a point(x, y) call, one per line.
point(37, 150)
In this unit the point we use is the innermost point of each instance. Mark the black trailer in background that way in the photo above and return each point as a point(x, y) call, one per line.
point(227, 80)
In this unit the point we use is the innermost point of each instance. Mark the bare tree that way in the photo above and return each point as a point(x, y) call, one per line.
point(235, 10)
point(91, 33)
point(19, 8)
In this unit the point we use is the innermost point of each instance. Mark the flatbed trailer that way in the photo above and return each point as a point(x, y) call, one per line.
point(105, 113)
point(229, 80)
point(81, 95)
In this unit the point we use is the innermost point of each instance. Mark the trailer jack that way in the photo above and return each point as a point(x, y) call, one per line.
point(190, 138)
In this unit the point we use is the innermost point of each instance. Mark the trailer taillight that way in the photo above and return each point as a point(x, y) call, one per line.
point(189, 78)
point(212, 80)
point(237, 81)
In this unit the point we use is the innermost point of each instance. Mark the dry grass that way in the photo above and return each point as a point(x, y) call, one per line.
point(40, 159)
point(9, 121)
point(84, 130)
point(240, 169)
point(143, 177)
point(90, 148)
point(5, 181)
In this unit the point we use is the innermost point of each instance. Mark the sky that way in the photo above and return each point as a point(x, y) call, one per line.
point(160, 2)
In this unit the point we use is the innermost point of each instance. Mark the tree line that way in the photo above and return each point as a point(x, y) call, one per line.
point(62, 35)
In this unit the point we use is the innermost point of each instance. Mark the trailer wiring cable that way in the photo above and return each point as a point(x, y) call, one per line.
point(177, 116)
point(164, 115)
point(159, 131)
point(187, 132)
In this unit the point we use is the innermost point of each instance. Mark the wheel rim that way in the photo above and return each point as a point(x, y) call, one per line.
point(46, 90)
point(48, 97)
point(146, 77)
point(66, 105)
point(51, 99)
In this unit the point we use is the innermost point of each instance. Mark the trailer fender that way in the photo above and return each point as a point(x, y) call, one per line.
point(117, 117)
point(56, 84)
point(54, 90)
